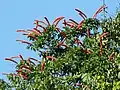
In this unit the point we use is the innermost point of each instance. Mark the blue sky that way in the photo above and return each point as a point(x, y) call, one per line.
point(20, 14)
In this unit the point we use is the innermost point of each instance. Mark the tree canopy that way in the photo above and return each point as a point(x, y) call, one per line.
point(67, 62)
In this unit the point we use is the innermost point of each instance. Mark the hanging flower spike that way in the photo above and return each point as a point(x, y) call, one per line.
point(111, 55)
point(79, 42)
point(64, 45)
point(38, 31)
point(104, 34)
point(18, 71)
point(30, 35)
point(26, 67)
point(38, 25)
point(47, 21)
point(15, 57)
point(40, 22)
point(63, 34)
point(14, 74)
point(100, 46)
point(71, 24)
point(60, 43)
point(35, 60)
point(51, 57)
point(73, 21)
point(11, 60)
point(99, 10)
point(65, 23)
point(88, 32)
point(20, 56)
point(80, 24)
point(35, 31)
point(24, 42)
point(25, 31)
point(81, 13)
point(44, 29)
point(21, 31)
point(11, 74)
point(42, 66)
point(57, 20)
point(101, 36)
point(23, 74)
point(25, 77)
point(87, 51)
point(58, 29)
point(22, 59)
point(30, 61)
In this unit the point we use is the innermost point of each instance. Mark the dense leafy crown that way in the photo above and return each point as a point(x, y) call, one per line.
point(67, 62)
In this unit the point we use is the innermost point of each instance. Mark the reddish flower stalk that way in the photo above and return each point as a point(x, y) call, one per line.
point(20, 56)
point(30, 35)
point(22, 74)
point(88, 32)
point(103, 35)
point(64, 45)
point(100, 46)
point(38, 25)
point(47, 21)
point(25, 77)
point(40, 22)
point(42, 66)
point(87, 51)
point(37, 30)
point(30, 61)
point(99, 10)
point(65, 23)
point(26, 67)
point(80, 24)
point(15, 75)
point(19, 70)
point(15, 57)
point(25, 34)
point(58, 29)
point(70, 24)
point(60, 43)
point(35, 60)
point(81, 14)
point(73, 21)
point(111, 55)
point(57, 20)
point(21, 31)
point(51, 57)
point(11, 74)
point(78, 42)
point(24, 42)
point(63, 34)
point(42, 27)
point(11, 60)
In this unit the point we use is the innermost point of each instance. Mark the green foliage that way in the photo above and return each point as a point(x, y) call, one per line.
point(67, 63)
point(4, 85)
